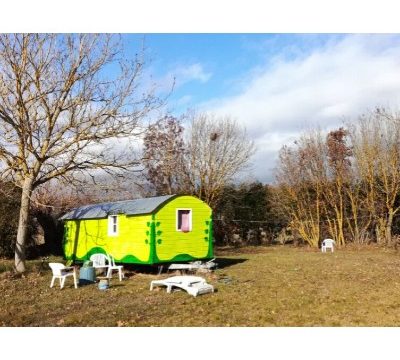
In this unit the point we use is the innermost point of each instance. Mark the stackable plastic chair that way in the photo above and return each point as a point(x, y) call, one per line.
point(100, 261)
point(112, 267)
point(61, 272)
point(328, 244)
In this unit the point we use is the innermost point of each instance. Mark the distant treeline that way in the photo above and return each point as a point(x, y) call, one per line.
point(245, 215)
point(346, 184)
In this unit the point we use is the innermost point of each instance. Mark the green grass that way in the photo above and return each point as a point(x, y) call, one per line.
point(268, 286)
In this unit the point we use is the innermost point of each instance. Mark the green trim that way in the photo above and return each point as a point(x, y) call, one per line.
point(153, 256)
point(128, 259)
point(210, 253)
point(184, 257)
point(131, 259)
point(65, 239)
point(154, 232)
point(94, 250)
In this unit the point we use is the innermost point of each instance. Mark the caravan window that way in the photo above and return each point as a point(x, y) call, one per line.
point(113, 225)
point(184, 220)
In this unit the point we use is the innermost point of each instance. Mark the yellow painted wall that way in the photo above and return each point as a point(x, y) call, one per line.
point(171, 243)
point(133, 239)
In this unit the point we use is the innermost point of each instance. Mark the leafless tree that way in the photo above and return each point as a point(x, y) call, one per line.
point(217, 150)
point(163, 156)
point(66, 101)
point(300, 176)
point(349, 184)
point(377, 152)
point(337, 178)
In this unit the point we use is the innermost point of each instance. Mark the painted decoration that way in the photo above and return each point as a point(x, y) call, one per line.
point(179, 228)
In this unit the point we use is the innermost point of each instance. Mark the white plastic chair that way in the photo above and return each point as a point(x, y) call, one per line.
point(328, 244)
point(100, 261)
point(61, 272)
point(112, 267)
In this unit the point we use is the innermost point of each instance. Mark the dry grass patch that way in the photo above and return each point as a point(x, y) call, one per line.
point(273, 286)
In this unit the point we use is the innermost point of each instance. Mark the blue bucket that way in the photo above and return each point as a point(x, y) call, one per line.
point(104, 284)
point(87, 275)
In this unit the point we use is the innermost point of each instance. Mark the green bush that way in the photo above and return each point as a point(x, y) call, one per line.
point(245, 215)
point(9, 213)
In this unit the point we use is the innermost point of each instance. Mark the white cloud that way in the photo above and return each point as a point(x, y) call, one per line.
point(184, 100)
point(187, 73)
point(319, 88)
point(192, 72)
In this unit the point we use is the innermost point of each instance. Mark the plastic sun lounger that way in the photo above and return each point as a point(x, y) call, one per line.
point(188, 267)
point(196, 265)
point(194, 285)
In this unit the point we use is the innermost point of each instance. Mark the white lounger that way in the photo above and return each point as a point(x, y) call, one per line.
point(194, 285)
point(195, 265)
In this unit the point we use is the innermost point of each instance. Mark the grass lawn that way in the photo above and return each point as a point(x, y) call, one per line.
point(265, 286)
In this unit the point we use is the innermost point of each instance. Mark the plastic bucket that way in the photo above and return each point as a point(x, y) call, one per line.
point(104, 284)
point(87, 275)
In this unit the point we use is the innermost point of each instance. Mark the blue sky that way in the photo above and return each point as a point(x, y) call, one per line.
point(317, 79)
point(275, 85)
point(207, 66)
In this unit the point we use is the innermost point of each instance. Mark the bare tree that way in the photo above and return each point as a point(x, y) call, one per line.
point(362, 194)
point(349, 184)
point(337, 179)
point(377, 151)
point(360, 218)
point(301, 175)
point(217, 150)
point(64, 100)
point(163, 155)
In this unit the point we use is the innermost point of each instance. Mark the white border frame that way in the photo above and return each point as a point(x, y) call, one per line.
point(190, 219)
point(110, 225)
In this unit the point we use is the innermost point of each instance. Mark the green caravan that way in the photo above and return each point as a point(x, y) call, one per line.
point(149, 231)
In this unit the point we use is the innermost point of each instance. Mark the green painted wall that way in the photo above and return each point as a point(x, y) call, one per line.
point(173, 245)
point(144, 239)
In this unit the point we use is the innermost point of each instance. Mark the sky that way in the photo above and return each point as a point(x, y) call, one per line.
point(275, 85)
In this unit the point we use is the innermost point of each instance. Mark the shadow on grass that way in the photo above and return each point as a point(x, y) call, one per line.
point(223, 263)
point(132, 269)
point(117, 284)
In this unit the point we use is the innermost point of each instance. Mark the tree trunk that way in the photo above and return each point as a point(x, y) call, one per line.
point(380, 230)
point(23, 226)
point(388, 231)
